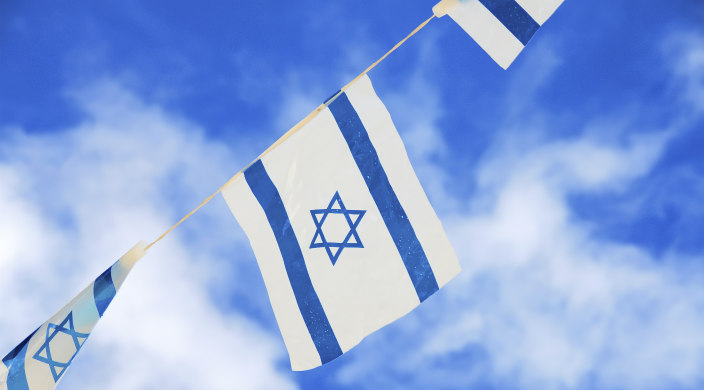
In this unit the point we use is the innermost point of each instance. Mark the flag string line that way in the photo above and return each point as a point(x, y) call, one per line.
point(293, 130)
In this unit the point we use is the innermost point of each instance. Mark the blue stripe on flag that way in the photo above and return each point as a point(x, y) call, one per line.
point(384, 196)
point(308, 302)
point(103, 291)
point(17, 377)
point(513, 17)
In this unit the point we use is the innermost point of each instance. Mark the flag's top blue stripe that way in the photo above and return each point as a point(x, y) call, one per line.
point(308, 302)
point(17, 376)
point(392, 212)
point(103, 291)
point(513, 17)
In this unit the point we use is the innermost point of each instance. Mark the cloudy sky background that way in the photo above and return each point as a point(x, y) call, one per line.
point(570, 186)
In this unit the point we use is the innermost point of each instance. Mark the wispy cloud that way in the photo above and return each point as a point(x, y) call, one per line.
point(686, 49)
point(76, 200)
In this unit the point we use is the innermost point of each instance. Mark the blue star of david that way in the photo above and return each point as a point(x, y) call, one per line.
point(51, 331)
point(353, 217)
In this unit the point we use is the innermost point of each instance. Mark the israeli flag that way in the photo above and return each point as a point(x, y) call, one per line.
point(344, 235)
point(501, 27)
point(41, 360)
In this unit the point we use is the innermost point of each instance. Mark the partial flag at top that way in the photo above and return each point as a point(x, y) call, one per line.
point(501, 27)
point(41, 360)
point(344, 235)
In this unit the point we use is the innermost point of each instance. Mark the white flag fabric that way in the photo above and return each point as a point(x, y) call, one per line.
point(40, 361)
point(344, 235)
point(501, 27)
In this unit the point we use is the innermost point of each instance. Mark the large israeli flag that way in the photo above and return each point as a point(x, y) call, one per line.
point(344, 235)
point(501, 27)
point(41, 360)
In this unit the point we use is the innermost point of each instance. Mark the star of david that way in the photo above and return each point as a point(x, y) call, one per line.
point(51, 331)
point(351, 240)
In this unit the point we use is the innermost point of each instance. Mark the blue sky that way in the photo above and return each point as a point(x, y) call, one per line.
point(570, 186)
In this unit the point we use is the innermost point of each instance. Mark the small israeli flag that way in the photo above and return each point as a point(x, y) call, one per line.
point(344, 235)
point(501, 27)
point(41, 360)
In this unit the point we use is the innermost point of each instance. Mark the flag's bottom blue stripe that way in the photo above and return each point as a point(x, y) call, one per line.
point(309, 304)
point(387, 202)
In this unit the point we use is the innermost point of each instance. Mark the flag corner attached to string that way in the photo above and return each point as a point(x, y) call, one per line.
point(501, 27)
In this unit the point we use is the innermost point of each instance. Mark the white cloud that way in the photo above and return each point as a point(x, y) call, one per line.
point(686, 51)
point(563, 307)
point(76, 200)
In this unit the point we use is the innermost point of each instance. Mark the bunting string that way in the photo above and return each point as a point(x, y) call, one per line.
point(294, 129)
